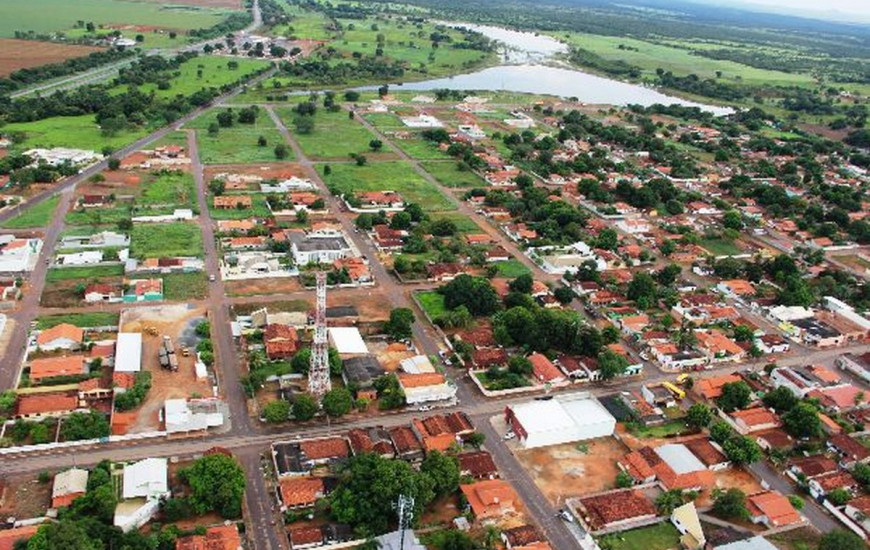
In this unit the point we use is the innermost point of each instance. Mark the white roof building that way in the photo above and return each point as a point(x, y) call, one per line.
point(564, 419)
point(790, 313)
point(755, 543)
point(417, 364)
point(69, 482)
point(679, 458)
point(347, 340)
point(128, 352)
point(147, 479)
point(81, 258)
point(180, 417)
point(393, 541)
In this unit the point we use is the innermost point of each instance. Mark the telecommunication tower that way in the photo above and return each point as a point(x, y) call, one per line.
point(318, 372)
point(405, 507)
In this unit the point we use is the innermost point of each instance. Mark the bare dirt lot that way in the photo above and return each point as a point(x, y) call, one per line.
point(565, 471)
point(25, 497)
point(178, 322)
point(265, 171)
point(254, 287)
point(232, 4)
point(22, 54)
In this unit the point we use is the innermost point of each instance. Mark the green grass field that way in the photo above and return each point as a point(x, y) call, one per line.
point(512, 269)
point(215, 73)
point(38, 215)
point(305, 24)
point(79, 132)
point(432, 303)
point(238, 145)
point(185, 286)
point(84, 320)
point(258, 210)
point(679, 60)
point(169, 189)
point(334, 136)
point(57, 15)
point(162, 240)
point(451, 176)
point(660, 536)
point(392, 176)
point(720, 247)
point(463, 223)
point(668, 429)
point(420, 149)
point(97, 216)
point(84, 273)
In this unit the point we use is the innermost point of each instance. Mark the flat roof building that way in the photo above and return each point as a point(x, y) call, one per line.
point(564, 419)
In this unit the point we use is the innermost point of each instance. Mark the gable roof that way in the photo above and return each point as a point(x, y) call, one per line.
point(61, 331)
point(49, 367)
point(774, 506)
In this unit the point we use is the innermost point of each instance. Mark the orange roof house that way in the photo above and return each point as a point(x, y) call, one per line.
point(51, 367)
point(738, 287)
point(544, 370)
point(646, 465)
point(614, 509)
point(301, 492)
point(46, 404)
point(711, 388)
point(8, 537)
point(490, 498)
point(229, 202)
point(64, 336)
point(718, 345)
point(754, 420)
point(222, 537)
point(772, 509)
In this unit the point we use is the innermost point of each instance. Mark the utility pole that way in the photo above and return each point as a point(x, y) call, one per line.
point(318, 372)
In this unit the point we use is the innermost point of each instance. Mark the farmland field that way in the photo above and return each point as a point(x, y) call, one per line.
point(388, 176)
point(215, 73)
point(38, 215)
point(44, 16)
point(22, 54)
point(163, 240)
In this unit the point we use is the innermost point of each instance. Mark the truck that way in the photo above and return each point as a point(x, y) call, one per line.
point(678, 393)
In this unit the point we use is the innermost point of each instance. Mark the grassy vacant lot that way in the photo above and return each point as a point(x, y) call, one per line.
point(307, 24)
point(84, 320)
point(84, 273)
point(464, 224)
point(185, 286)
point(660, 536)
point(215, 73)
point(720, 247)
point(57, 15)
point(162, 240)
point(674, 427)
point(97, 216)
point(385, 121)
point(79, 132)
point(451, 176)
point(511, 269)
point(258, 210)
point(421, 149)
point(432, 303)
point(238, 145)
point(169, 189)
point(678, 58)
point(392, 176)
point(334, 136)
point(38, 215)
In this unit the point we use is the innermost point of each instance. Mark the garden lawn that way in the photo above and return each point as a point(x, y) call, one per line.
point(238, 145)
point(38, 215)
point(162, 240)
point(400, 177)
point(77, 132)
point(660, 536)
point(335, 136)
point(83, 273)
point(185, 286)
point(83, 320)
point(432, 303)
point(674, 427)
point(463, 223)
point(450, 175)
point(512, 269)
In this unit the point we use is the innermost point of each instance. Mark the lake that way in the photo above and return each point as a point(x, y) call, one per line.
point(532, 76)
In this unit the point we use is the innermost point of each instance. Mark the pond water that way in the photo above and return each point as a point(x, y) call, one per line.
point(523, 70)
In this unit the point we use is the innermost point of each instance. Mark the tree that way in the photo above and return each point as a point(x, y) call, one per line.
point(304, 407)
point(281, 151)
point(476, 439)
point(360, 160)
point(7, 401)
point(399, 325)
point(730, 504)
point(607, 239)
point(643, 290)
point(81, 425)
point(337, 402)
point(611, 364)
point(114, 163)
point(522, 284)
point(735, 395)
point(668, 501)
point(225, 118)
point(741, 449)
point(667, 275)
point(376, 145)
point(732, 220)
point(840, 539)
point(443, 470)
point(623, 480)
point(213, 129)
point(839, 496)
point(797, 502)
point(63, 535)
point(304, 124)
point(390, 394)
point(699, 416)
point(668, 247)
point(564, 294)
point(802, 420)
point(475, 293)
point(277, 411)
point(262, 142)
point(368, 488)
point(780, 399)
point(217, 483)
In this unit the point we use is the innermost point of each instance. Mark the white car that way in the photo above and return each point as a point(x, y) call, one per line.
point(424, 408)
point(510, 435)
point(566, 515)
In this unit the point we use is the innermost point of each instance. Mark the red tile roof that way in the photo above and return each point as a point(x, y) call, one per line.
point(46, 403)
point(543, 369)
point(320, 449)
point(614, 507)
point(774, 506)
point(56, 366)
point(301, 491)
point(63, 330)
point(223, 537)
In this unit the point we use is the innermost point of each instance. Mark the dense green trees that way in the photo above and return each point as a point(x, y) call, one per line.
point(475, 293)
point(217, 483)
point(735, 395)
point(399, 325)
point(337, 402)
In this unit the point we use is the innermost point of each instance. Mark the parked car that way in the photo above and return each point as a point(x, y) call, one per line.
point(566, 515)
point(510, 435)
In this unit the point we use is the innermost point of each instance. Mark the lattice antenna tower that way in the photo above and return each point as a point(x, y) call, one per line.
point(405, 506)
point(318, 372)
